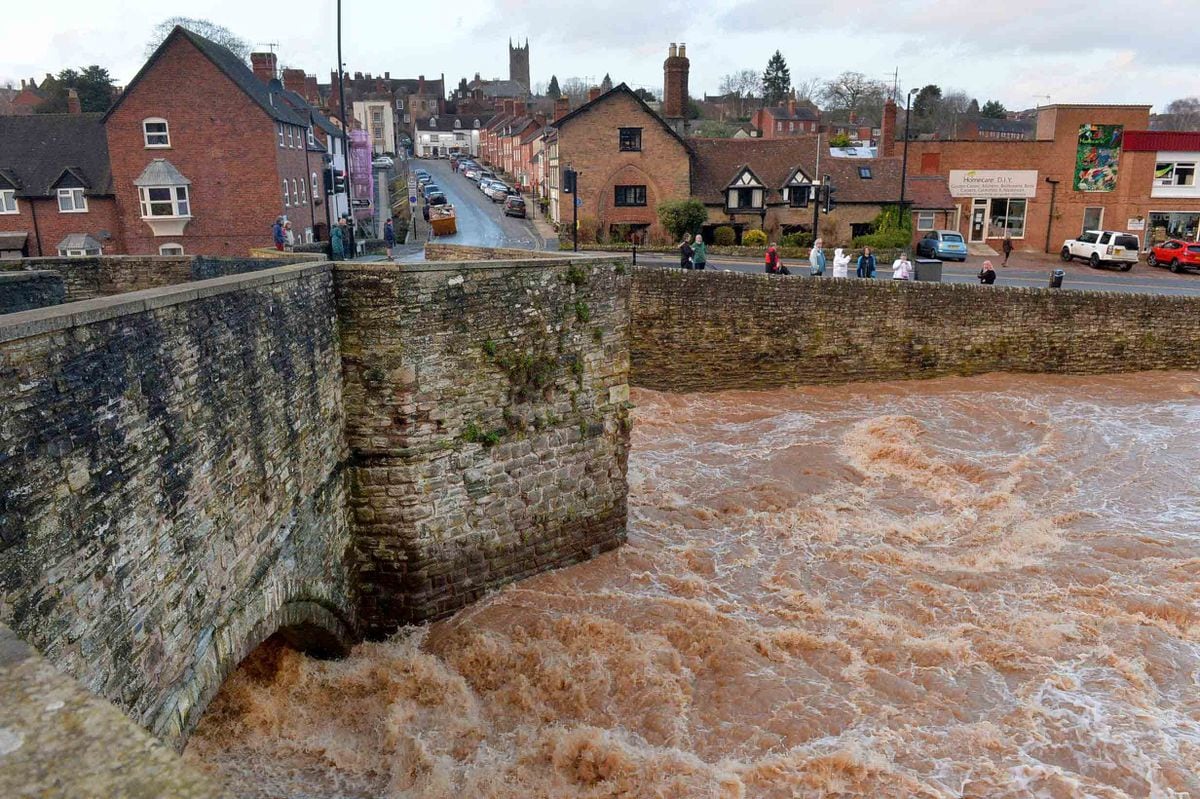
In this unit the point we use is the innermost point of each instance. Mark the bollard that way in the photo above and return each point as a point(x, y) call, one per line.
point(1056, 278)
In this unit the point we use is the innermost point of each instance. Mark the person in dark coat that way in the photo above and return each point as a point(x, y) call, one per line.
point(866, 264)
point(1007, 248)
point(337, 241)
point(278, 236)
point(987, 275)
point(389, 237)
point(685, 252)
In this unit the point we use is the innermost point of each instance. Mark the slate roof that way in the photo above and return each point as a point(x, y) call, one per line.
point(304, 109)
point(619, 88)
point(161, 172)
point(35, 151)
point(717, 162)
point(445, 122)
point(803, 114)
point(499, 88)
point(232, 67)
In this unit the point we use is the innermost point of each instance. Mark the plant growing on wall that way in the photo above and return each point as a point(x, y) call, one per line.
point(682, 216)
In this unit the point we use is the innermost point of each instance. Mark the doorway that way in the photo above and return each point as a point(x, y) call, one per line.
point(978, 221)
point(1093, 218)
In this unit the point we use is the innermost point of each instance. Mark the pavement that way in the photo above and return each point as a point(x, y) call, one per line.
point(481, 222)
point(1029, 270)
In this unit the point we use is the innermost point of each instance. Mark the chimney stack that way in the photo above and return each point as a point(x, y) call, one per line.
point(509, 107)
point(263, 65)
point(675, 83)
point(22, 83)
point(791, 106)
point(358, 76)
point(73, 106)
point(562, 107)
point(887, 130)
point(519, 108)
point(294, 80)
point(593, 93)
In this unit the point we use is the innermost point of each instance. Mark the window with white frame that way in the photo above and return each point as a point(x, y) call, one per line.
point(8, 201)
point(280, 134)
point(296, 191)
point(71, 201)
point(1175, 173)
point(165, 201)
point(155, 133)
point(287, 197)
point(314, 184)
point(171, 249)
point(312, 140)
point(925, 220)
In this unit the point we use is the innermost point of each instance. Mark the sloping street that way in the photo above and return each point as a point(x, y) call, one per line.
point(481, 222)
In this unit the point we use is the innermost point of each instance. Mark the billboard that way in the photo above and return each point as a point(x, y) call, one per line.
point(1097, 157)
point(993, 183)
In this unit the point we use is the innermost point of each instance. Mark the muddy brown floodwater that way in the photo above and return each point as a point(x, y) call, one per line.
point(984, 587)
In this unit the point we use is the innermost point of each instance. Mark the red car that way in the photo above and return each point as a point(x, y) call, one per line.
point(1177, 254)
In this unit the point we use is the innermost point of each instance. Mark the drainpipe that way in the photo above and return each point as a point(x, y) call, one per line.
point(37, 236)
point(1050, 216)
point(312, 197)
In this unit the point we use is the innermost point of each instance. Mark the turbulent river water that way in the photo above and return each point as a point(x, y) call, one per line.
point(984, 587)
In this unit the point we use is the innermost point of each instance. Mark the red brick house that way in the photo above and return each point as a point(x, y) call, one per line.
point(204, 155)
point(56, 188)
point(789, 120)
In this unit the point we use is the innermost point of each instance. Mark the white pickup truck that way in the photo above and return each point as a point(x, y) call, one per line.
point(1103, 247)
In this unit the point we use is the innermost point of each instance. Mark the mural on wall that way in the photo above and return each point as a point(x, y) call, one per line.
point(1097, 157)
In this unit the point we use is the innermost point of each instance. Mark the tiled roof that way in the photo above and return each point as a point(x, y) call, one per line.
point(232, 67)
point(1022, 126)
point(161, 172)
point(304, 109)
point(928, 192)
point(533, 133)
point(499, 88)
point(803, 113)
point(717, 162)
point(445, 122)
point(36, 150)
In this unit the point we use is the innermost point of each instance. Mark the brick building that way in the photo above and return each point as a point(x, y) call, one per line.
point(629, 160)
point(1088, 166)
point(790, 120)
point(56, 187)
point(205, 155)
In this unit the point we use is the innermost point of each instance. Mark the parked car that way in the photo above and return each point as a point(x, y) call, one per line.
point(430, 188)
point(486, 185)
point(383, 162)
point(1103, 247)
point(1176, 254)
point(498, 191)
point(471, 173)
point(947, 245)
point(487, 173)
point(514, 205)
point(425, 179)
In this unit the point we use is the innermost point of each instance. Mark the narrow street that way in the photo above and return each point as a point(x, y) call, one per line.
point(481, 222)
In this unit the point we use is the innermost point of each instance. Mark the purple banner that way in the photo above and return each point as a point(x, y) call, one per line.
point(360, 173)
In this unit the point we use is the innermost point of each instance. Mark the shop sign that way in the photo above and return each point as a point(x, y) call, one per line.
point(1135, 224)
point(993, 183)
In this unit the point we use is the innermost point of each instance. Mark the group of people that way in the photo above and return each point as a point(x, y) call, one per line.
point(902, 268)
point(341, 238)
point(693, 253)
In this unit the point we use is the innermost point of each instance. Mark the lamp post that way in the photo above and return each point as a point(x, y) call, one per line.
point(1050, 216)
point(345, 128)
point(904, 159)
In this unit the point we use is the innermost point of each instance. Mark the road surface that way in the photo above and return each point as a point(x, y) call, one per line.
point(1142, 279)
point(481, 222)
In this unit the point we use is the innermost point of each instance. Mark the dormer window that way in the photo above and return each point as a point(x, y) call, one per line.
point(155, 133)
point(477, 123)
point(8, 201)
point(72, 201)
point(864, 172)
point(798, 190)
point(312, 140)
point(746, 193)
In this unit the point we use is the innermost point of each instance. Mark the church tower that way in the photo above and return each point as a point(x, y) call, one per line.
point(518, 64)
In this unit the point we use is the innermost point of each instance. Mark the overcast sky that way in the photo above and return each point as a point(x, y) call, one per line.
point(1016, 51)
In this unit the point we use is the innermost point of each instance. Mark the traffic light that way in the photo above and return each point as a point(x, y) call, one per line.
point(327, 176)
point(830, 202)
point(568, 181)
point(339, 181)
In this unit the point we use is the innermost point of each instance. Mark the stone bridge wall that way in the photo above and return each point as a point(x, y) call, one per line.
point(23, 291)
point(488, 425)
point(710, 331)
point(172, 484)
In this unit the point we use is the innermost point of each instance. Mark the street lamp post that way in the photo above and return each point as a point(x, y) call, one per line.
point(904, 159)
point(345, 127)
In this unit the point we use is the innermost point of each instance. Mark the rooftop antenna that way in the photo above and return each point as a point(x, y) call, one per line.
point(269, 45)
point(1045, 97)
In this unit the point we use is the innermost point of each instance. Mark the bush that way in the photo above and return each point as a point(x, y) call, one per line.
point(796, 240)
point(888, 240)
point(724, 236)
point(754, 238)
point(682, 216)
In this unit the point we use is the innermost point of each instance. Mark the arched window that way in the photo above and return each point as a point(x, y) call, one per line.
point(155, 133)
point(314, 185)
point(296, 193)
point(287, 198)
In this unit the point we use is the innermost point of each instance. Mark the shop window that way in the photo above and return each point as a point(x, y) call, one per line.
point(1175, 173)
point(925, 220)
point(1006, 216)
point(630, 196)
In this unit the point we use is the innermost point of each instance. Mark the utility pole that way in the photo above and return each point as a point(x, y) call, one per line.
point(816, 189)
point(904, 160)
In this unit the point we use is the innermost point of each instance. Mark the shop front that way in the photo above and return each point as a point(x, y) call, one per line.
point(1163, 225)
point(999, 201)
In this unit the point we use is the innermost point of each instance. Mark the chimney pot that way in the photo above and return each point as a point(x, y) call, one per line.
point(682, 50)
point(387, 75)
point(22, 83)
point(73, 106)
point(263, 65)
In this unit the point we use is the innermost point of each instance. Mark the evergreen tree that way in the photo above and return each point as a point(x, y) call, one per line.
point(94, 86)
point(606, 84)
point(973, 108)
point(993, 109)
point(553, 91)
point(777, 80)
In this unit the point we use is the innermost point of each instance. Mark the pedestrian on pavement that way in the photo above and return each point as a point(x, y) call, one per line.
point(987, 275)
point(841, 263)
point(773, 264)
point(816, 259)
point(699, 252)
point(902, 268)
point(277, 234)
point(351, 250)
point(389, 238)
point(337, 241)
point(289, 236)
point(685, 252)
point(1007, 248)
point(866, 264)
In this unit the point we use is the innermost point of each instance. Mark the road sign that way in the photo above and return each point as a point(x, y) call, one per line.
point(412, 198)
point(578, 203)
point(361, 203)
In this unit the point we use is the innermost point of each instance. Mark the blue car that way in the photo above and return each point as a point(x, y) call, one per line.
point(946, 245)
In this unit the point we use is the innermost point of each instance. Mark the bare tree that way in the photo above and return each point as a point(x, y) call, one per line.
point(576, 89)
point(209, 30)
point(853, 92)
point(743, 85)
point(807, 88)
point(1181, 114)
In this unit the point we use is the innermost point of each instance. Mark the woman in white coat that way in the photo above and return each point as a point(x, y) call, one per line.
point(841, 263)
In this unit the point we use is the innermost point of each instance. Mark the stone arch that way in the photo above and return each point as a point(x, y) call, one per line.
point(625, 173)
point(312, 626)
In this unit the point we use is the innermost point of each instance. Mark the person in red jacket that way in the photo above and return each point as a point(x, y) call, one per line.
point(772, 263)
